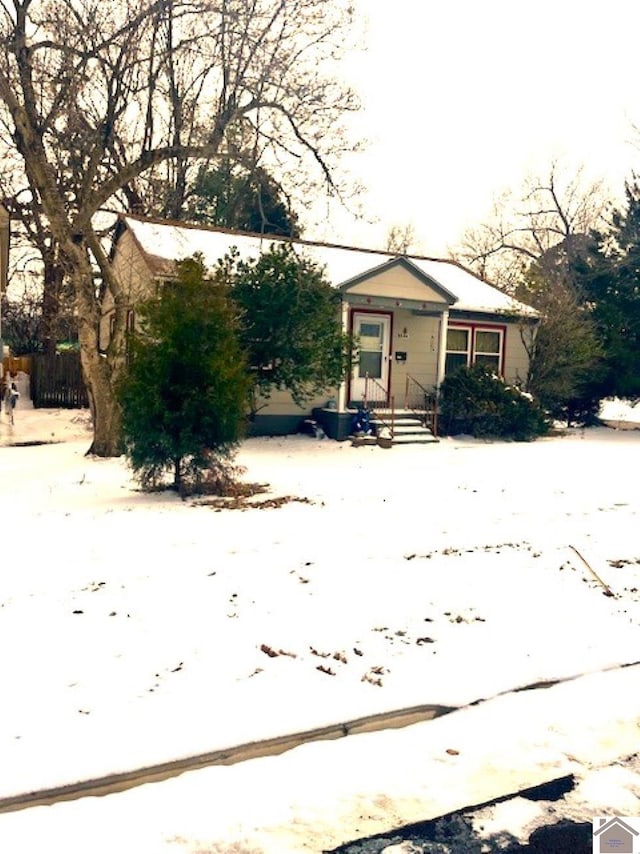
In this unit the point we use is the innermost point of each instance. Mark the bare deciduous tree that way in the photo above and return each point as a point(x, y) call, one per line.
point(529, 248)
point(548, 212)
point(104, 100)
point(401, 238)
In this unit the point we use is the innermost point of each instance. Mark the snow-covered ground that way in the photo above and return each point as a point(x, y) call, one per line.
point(620, 414)
point(138, 629)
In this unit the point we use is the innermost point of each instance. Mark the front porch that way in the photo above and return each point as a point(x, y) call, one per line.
point(413, 419)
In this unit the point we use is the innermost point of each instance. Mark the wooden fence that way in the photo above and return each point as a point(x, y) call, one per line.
point(16, 364)
point(56, 381)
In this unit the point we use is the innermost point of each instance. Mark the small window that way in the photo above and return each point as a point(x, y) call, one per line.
point(455, 361)
point(458, 340)
point(487, 342)
point(370, 330)
point(370, 364)
point(457, 349)
point(487, 348)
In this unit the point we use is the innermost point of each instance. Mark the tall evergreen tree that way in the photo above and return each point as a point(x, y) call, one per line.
point(609, 275)
point(185, 392)
point(242, 199)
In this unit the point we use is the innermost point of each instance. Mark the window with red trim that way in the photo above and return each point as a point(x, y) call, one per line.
point(474, 345)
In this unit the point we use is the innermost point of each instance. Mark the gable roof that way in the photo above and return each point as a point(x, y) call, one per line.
point(406, 263)
point(163, 242)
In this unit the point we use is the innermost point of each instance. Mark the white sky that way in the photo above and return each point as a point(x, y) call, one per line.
point(463, 99)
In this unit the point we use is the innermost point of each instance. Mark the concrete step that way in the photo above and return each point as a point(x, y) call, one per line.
point(426, 438)
point(406, 426)
point(415, 435)
point(397, 422)
point(402, 426)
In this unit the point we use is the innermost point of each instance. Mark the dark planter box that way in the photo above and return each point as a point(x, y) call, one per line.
point(337, 425)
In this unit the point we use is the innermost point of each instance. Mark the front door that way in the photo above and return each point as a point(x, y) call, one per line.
point(371, 332)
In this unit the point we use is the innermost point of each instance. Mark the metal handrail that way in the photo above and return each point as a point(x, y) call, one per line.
point(373, 389)
point(422, 402)
point(374, 392)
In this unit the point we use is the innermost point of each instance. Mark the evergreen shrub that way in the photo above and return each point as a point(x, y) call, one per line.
point(184, 396)
point(477, 402)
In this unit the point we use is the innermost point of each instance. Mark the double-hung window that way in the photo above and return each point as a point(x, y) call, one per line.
point(474, 345)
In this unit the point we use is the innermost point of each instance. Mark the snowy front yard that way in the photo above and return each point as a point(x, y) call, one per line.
point(138, 629)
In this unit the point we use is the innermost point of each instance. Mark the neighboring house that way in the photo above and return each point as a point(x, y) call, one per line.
point(415, 318)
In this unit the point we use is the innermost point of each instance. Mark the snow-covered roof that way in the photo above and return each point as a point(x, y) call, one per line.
point(166, 242)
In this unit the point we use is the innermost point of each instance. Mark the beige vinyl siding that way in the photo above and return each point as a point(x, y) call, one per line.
point(396, 283)
point(421, 347)
point(516, 361)
point(281, 403)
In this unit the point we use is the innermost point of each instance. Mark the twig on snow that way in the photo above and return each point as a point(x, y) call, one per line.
point(607, 590)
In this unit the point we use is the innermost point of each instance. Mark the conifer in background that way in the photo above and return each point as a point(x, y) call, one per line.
point(290, 325)
point(609, 275)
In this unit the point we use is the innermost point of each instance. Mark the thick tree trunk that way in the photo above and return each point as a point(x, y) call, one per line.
point(105, 409)
point(53, 277)
point(177, 473)
point(101, 370)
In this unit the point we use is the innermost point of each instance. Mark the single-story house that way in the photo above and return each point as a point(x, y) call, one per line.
point(415, 318)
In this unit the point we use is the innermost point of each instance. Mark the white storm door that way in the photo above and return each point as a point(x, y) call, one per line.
point(371, 332)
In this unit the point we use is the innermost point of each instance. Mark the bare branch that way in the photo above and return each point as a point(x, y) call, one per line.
point(549, 213)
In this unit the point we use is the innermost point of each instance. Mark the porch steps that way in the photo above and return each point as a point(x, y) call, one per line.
point(410, 430)
point(407, 429)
